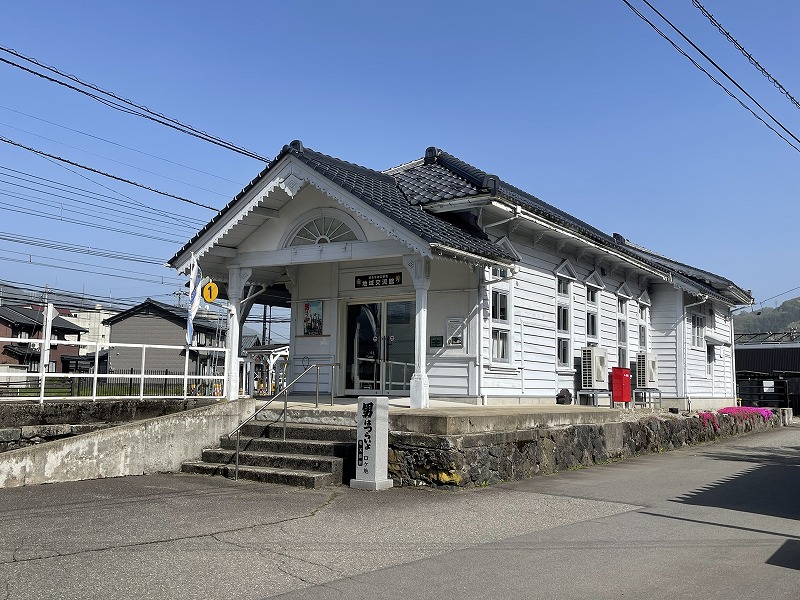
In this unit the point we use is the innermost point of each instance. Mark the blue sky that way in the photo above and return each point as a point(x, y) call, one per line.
point(578, 102)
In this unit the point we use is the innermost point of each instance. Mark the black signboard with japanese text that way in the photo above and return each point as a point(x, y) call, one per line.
point(379, 280)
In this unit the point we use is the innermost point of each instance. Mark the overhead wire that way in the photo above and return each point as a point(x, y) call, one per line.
point(119, 162)
point(50, 183)
point(704, 71)
point(751, 59)
point(107, 141)
point(146, 219)
point(137, 233)
point(104, 174)
point(73, 248)
point(153, 227)
point(123, 273)
point(122, 104)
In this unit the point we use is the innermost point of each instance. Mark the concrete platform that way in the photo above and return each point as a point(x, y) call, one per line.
point(445, 417)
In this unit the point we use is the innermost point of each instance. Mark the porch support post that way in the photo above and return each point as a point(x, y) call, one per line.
point(420, 269)
point(237, 278)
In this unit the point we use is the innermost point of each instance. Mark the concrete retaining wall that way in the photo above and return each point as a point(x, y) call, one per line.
point(153, 445)
point(483, 458)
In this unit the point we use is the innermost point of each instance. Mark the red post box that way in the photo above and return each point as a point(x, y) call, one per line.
point(620, 384)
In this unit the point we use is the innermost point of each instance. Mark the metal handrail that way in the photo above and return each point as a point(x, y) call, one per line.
point(285, 392)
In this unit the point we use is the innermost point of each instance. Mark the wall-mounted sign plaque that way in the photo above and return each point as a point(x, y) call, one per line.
point(363, 281)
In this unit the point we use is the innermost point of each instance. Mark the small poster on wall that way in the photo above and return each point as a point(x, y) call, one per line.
point(312, 317)
point(455, 333)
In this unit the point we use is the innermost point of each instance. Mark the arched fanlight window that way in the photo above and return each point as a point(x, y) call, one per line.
point(323, 230)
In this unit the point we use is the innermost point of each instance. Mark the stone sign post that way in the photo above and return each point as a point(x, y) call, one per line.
point(372, 445)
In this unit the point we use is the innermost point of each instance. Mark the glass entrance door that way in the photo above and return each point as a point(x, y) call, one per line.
point(380, 347)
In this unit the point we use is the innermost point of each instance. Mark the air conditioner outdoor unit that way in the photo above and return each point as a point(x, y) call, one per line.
point(646, 370)
point(594, 369)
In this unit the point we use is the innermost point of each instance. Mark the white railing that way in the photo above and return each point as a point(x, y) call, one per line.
point(142, 381)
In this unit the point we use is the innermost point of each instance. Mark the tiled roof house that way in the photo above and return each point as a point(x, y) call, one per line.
point(437, 279)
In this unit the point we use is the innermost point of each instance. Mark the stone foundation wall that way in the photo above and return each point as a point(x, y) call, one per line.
point(477, 459)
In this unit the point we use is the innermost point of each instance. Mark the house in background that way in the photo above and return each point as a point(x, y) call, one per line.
point(157, 323)
point(768, 369)
point(28, 323)
point(93, 320)
point(438, 279)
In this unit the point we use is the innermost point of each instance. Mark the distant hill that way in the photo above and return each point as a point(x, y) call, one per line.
point(780, 319)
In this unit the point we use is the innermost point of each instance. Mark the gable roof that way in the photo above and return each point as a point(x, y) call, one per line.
point(31, 318)
point(691, 279)
point(383, 193)
point(176, 314)
point(410, 194)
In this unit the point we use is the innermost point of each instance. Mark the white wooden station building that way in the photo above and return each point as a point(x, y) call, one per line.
point(435, 279)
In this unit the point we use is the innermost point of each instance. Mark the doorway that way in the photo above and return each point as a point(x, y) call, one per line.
point(380, 347)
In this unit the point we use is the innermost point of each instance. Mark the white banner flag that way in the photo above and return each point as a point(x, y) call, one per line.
point(194, 299)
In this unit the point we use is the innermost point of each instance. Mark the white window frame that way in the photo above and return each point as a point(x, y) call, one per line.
point(698, 331)
point(623, 333)
point(593, 311)
point(564, 323)
point(501, 336)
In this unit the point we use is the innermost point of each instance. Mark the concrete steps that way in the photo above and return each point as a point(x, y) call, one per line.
point(311, 456)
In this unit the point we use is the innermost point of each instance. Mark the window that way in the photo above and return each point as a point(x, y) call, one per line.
point(499, 273)
point(710, 360)
point(500, 344)
point(622, 332)
point(591, 312)
point(563, 330)
point(698, 331)
point(501, 320)
point(643, 337)
point(563, 286)
point(323, 230)
point(499, 306)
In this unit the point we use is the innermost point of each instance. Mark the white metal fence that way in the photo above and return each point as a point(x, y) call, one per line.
point(132, 382)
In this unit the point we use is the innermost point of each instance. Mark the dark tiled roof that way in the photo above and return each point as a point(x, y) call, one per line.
point(28, 317)
point(382, 192)
point(704, 280)
point(402, 192)
point(175, 313)
point(432, 183)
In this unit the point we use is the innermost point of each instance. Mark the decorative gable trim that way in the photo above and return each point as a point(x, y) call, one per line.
point(624, 291)
point(291, 177)
point(506, 245)
point(565, 270)
point(595, 280)
point(644, 298)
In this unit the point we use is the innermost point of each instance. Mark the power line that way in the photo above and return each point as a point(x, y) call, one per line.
point(744, 52)
point(57, 185)
point(123, 273)
point(104, 174)
point(14, 208)
point(124, 105)
point(711, 77)
point(119, 162)
point(152, 227)
point(65, 247)
point(107, 141)
point(148, 220)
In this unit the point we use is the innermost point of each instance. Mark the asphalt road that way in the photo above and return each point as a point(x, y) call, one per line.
point(716, 521)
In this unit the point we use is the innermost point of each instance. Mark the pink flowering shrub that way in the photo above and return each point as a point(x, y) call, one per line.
point(707, 418)
point(744, 412)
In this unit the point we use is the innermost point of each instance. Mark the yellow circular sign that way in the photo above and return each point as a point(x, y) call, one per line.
point(210, 291)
